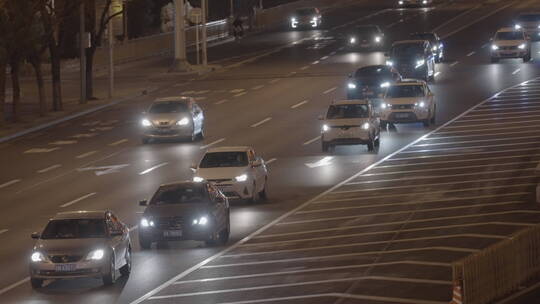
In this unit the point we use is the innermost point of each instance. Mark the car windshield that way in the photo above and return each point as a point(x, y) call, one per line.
point(224, 159)
point(375, 71)
point(408, 50)
point(529, 18)
point(404, 91)
point(366, 31)
point(168, 107)
point(74, 229)
point(510, 36)
point(305, 11)
point(347, 111)
point(179, 194)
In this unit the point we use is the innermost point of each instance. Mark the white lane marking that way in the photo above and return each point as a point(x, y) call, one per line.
point(40, 150)
point(236, 91)
point(311, 141)
point(332, 53)
point(200, 98)
point(78, 200)
point(86, 154)
point(437, 74)
point(91, 123)
point(258, 87)
point(212, 143)
point(240, 94)
point(221, 101)
point(516, 71)
point(469, 148)
point(153, 168)
point(528, 110)
point(304, 67)
point(201, 92)
point(495, 119)
point(270, 161)
point(482, 130)
point(478, 140)
point(315, 62)
point(188, 92)
point(11, 182)
point(292, 73)
point(460, 154)
point(324, 57)
point(3, 230)
point(325, 161)
point(49, 168)
point(116, 143)
point(274, 80)
point(261, 122)
point(63, 142)
point(471, 53)
point(330, 90)
point(100, 129)
point(454, 63)
point(14, 285)
point(305, 283)
point(103, 170)
point(339, 296)
point(299, 104)
point(84, 135)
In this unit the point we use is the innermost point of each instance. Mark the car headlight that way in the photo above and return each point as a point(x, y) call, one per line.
point(420, 104)
point(147, 223)
point(293, 20)
point(37, 257)
point(420, 62)
point(400, 2)
point(325, 128)
point(385, 84)
point(203, 220)
point(314, 19)
point(352, 40)
point(389, 63)
point(434, 48)
point(424, 2)
point(517, 26)
point(351, 85)
point(377, 39)
point(241, 178)
point(146, 123)
point(365, 126)
point(384, 105)
point(182, 122)
point(494, 47)
point(198, 179)
point(522, 46)
point(96, 255)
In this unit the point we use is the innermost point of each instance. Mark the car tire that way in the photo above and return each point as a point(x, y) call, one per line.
point(224, 234)
point(110, 277)
point(201, 134)
point(426, 122)
point(433, 120)
point(144, 242)
point(126, 269)
point(494, 60)
point(36, 283)
point(325, 147)
point(263, 195)
point(371, 145)
point(377, 142)
point(527, 58)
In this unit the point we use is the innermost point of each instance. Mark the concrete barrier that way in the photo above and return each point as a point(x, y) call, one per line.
point(499, 270)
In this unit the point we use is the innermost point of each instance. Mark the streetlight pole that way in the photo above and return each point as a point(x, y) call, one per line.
point(180, 63)
point(110, 40)
point(82, 50)
point(204, 8)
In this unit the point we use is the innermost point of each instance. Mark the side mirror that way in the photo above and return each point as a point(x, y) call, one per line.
point(256, 163)
point(193, 168)
point(35, 235)
point(143, 203)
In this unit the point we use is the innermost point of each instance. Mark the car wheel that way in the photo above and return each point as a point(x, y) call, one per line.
point(433, 115)
point(371, 145)
point(263, 194)
point(494, 60)
point(126, 269)
point(325, 147)
point(145, 140)
point(144, 242)
point(36, 283)
point(201, 134)
point(426, 122)
point(527, 58)
point(224, 234)
point(110, 277)
point(377, 142)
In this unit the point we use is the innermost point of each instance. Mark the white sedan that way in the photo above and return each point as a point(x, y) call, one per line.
point(237, 171)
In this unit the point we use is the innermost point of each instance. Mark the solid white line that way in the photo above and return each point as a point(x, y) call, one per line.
point(240, 94)
point(3, 231)
point(153, 168)
point(49, 168)
point(471, 53)
point(299, 104)
point(11, 182)
point(329, 90)
point(270, 161)
point(261, 122)
point(274, 80)
point(454, 63)
point(14, 285)
point(116, 143)
point(311, 141)
point(258, 87)
point(86, 154)
point(221, 101)
point(78, 200)
point(516, 71)
point(212, 143)
point(338, 296)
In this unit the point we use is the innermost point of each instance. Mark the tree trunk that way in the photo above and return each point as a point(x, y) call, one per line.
point(3, 65)
point(15, 64)
point(56, 77)
point(90, 73)
point(36, 64)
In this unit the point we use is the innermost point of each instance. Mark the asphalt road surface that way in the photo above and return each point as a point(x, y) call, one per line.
point(346, 227)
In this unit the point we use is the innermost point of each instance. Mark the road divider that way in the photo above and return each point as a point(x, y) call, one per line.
point(78, 200)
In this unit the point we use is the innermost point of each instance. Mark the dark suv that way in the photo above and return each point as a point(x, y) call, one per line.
point(185, 211)
point(413, 59)
point(371, 81)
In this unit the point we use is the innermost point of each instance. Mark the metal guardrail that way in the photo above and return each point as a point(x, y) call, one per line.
point(537, 171)
point(499, 269)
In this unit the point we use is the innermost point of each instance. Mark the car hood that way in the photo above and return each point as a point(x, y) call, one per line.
point(69, 246)
point(177, 210)
point(529, 24)
point(509, 42)
point(166, 118)
point(408, 100)
point(345, 122)
point(220, 173)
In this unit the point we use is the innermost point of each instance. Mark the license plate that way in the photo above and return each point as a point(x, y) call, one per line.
point(402, 115)
point(65, 267)
point(172, 233)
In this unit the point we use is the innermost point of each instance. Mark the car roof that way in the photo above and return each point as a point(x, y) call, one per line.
point(229, 149)
point(80, 215)
point(508, 29)
point(184, 182)
point(412, 41)
point(173, 98)
point(374, 66)
point(351, 102)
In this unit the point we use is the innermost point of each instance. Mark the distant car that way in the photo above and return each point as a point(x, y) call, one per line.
point(437, 47)
point(366, 37)
point(185, 211)
point(529, 23)
point(414, 3)
point(350, 122)
point(173, 118)
point(306, 17)
point(81, 244)
point(371, 81)
point(406, 102)
point(510, 43)
point(413, 59)
point(237, 171)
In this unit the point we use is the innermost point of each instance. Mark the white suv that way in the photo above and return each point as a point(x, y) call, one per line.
point(408, 101)
point(350, 122)
point(237, 171)
point(510, 43)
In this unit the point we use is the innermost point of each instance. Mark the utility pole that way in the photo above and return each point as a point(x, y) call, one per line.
point(232, 8)
point(204, 8)
point(110, 40)
point(82, 50)
point(180, 63)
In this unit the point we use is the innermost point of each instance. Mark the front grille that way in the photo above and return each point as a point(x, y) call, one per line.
point(218, 181)
point(508, 48)
point(72, 273)
point(169, 222)
point(163, 123)
point(402, 106)
point(65, 258)
point(344, 127)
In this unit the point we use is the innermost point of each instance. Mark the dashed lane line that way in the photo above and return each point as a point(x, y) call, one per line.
point(479, 140)
point(299, 104)
point(261, 122)
point(4, 231)
point(312, 140)
point(212, 144)
point(258, 87)
point(471, 53)
point(330, 90)
point(63, 142)
point(116, 143)
point(11, 182)
point(516, 71)
point(454, 63)
point(78, 199)
point(304, 67)
point(240, 94)
point(153, 168)
point(14, 285)
point(40, 150)
point(221, 101)
point(84, 155)
point(49, 168)
point(274, 80)
point(315, 62)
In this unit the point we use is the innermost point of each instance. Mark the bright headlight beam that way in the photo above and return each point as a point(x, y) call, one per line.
point(241, 178)
point(146, 123)
point(494, 47)
point(325, 128)
point(36, 257)
point(385, 84)
point(96, 254)
point(522, 46)
point(351, 85)
point(365, 126)
point(389, 63)
point(198, 179)
point(377, 39)
point(352, 40)
point(182, 122)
